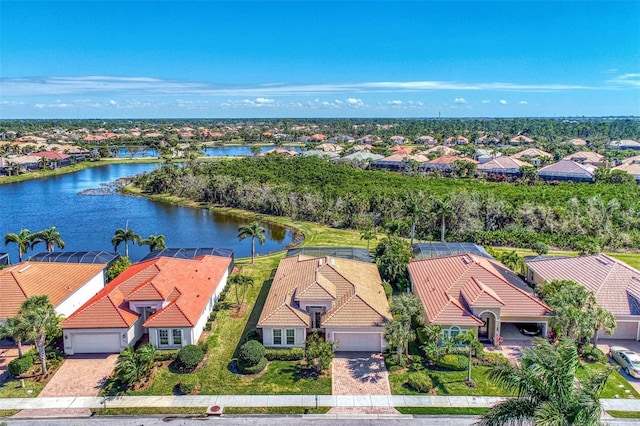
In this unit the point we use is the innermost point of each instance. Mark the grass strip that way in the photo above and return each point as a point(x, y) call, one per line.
point(135, 411)
point(8, 413)
point(453, 411)
point(624, 414)
point(275, 410)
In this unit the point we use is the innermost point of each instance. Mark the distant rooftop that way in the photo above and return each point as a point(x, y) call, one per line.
point(340, 252)
point(188, 253)
point(90, 257)
point(440, 249)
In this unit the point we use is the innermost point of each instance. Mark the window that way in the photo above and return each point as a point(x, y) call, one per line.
point(277, 337)
point(163, 337)
point(291, 336)
point(454, 331)
point(177, 336)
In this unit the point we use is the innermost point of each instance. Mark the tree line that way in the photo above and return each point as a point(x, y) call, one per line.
point(583, 217)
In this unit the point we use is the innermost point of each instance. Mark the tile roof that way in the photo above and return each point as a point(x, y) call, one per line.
point(531, 153)
point(614, 283)
point(585, 156)
point(502, 164)
point(450, 286)
point(52, 155)
point(57, 280)
point(354, 288)
point(565, 167)
point(631, 168)
point(185, 285)
point(449, 159)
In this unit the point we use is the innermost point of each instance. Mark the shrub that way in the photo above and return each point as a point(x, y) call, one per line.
point(416, 363)
point(165, 355)
point(292, 354)
point(189, 357)
point(594, 354)
point(420, 381)
point(388, 289)
point(491, 359)
point(21, 365)
point(214, 313)
point(251, 353)
point(453, 362)
point(256, 368)
point(189, 384)
point(208, 326)
point(204, 345)
point(253, 334)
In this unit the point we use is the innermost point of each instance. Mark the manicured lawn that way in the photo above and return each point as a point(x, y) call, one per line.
point(451, 411)
point(275, 410)
point(449, 383)
point(8, 413)
point(141, 411)
point(624, 414)
point(12, 389)
point(616, 386)
point(216, 377)
point(631, 259)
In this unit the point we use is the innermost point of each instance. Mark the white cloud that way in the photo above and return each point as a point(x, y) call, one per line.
point(459, 101)
point(355, 102)
point(631, 79)
point(503, 102)
point(485, 101)
point(264, 101)
point(112, 102)
point(523, 102)
point(395, 102)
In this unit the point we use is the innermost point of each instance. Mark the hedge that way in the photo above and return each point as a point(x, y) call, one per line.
point(251, 353)
point(21, 365)
point(290, 354)
point(453, 362)
point(420, 381)
point(255, 368)
point(160, 355)
point(189, 357)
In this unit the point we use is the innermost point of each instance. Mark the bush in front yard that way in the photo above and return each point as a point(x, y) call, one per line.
point(189, 384)
point(453, 362)
point(256, 368)
point(251, 355)
point(189, 357)
point(420, 381)
point(165, 355)
point(592, 354)
point(21, 365)
point(292, 354)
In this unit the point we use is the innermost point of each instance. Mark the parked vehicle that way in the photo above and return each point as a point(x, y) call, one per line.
point(529, 329)
point(628, 360)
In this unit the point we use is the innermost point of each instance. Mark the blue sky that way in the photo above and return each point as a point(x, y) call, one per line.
point(163, 59)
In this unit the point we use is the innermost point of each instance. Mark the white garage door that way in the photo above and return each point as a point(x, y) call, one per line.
point(354, 342)
point(624, 330)
point(96, 343)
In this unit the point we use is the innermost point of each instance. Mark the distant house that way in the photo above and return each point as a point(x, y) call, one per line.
point(25, 163)
point(631, 166)
point(443, 164)
point(401, 149)
point(55, 159)
point(426, 140)
point(577, 142)
point(280, 151)
point(520, 139)
point(343, 299)
point(169, 299)
point(587, 157)
point(441, 150)
point(329, 147)
point(68, 285)
point(485, 155)
point(398, 161)
point(533, 155)
point(397, 139)
point(457, 140)
point(361, 156)
point(503, 166)
point(318, 137)
point(624, 144)
point(566, 170)
point(615, 285)
point(465, 292)
point(320, 153)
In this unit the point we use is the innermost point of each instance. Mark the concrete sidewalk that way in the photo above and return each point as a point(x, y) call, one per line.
point(275, 401)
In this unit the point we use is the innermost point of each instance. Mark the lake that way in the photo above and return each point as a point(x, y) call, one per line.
point(87, 222)
point(213, 151)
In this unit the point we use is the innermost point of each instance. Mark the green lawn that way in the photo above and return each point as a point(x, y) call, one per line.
point(141, 411)
point(450, 411)
point(216, 377)
point(624, 414)
point(449, 383)
point(12, 389)
point(275, 410)
point(631, 259)
point(616, 386)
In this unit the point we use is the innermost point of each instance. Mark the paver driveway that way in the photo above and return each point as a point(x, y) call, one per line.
point(604, 344)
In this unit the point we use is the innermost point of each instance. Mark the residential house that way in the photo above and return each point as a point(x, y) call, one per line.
point(398, 161)
point(426, 140)
point(534, 156)
point(23, 163)
point(566, 170)
point(485, 155)
point(54, 159)
point(329, 147)
point(577, 142)
point(341, 298)
point(503, 166)
point(68, 285)
point(441, 150)
point(587, 157)
point(281, 151)
point(361, 156)
point(465, 292)
point(398, 140)
point(615, 285)
point(457, 140)
point(401, 149)
point(631, 166)
point(169, 299)
point(624, 144)
point(443, 164)
point(520, 139)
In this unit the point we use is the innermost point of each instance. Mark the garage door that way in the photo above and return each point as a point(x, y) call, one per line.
point(624, 330)
point(365, 342)
point(96, 343)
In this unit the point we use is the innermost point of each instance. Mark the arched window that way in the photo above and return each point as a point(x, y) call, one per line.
point(454, 331)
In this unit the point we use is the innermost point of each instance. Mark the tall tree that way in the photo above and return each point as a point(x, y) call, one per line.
point(17, 328)
point(407, 309)
point(154, 242)
point(241, 281)
point(392, 255)
point(368, 234)
point(252, 230)
point(414, 207)
point(43, 320)
point(444, 211)
point(22, 240)
point(50, 237)
point(547, 388)
point(124, 236)
point(396, 333)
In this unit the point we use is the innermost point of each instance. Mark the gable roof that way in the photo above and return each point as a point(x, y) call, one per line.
point(56, 280)
point(531, 153)
point(450, 287)
point(354, 288)
point(185, 285)
point(615, 284)
point(585, 156)
point(502, 164)
point(567, 167)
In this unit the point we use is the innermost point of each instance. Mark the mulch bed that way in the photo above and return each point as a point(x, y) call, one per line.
point(239, 311)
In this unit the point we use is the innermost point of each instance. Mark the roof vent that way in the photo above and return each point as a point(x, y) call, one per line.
point(467, 259)
point(602, 260)
point(319, 262)
point(333, 262)
point(25, 268)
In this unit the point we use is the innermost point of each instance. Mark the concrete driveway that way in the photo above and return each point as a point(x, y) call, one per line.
point(604, 344)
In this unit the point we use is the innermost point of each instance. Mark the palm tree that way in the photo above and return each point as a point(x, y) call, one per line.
point(413, 208)
point(468, 339)
point(16, 328)
point(154, 242)
point(51, 237)
point(444, 211)
point(253, 230)
point(548, 391)
point(408, 309)
point(42, 318)
point(396, 333)
point(124, 235)
point(241, 281)
point(513, 261)
point(22, 240)
point(368, 233)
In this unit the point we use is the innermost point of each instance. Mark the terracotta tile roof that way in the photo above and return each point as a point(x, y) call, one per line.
point(354, 288)
point(448, 286)
point(52, 155)
point(585, 157)
point(399, 158)
point(401, 149)
point(632, 160)
point(448, 159)
point(501, 164)
point(57, 280)
point(186, 284)
point(531, 153)
point(615, 284)
point(441, 150)
point(521, 138)
point(631, 168)
point(567, 167)
point(578, 142)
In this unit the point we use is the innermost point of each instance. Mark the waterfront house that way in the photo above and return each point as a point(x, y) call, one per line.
point(169, 299)
point(342, 299)
point(465, 292)
point(631, 166)
point(615, 285)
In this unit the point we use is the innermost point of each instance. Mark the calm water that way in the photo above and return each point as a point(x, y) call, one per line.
point(88, 222)
point(215, 151)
